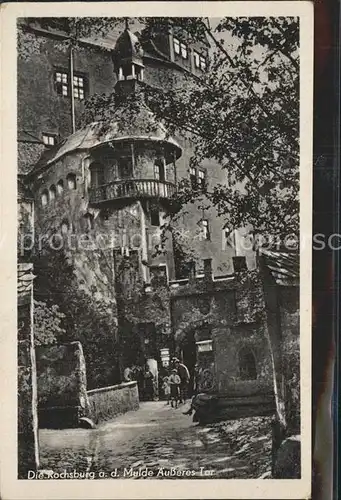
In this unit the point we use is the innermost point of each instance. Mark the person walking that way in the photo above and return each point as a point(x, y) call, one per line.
point(184, 375)
point(149, 385)
point(174, 382)
point(166, 388)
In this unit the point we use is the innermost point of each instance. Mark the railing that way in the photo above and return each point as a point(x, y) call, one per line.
point(132, 188)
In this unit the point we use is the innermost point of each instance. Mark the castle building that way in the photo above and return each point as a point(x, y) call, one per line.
point(109, 185)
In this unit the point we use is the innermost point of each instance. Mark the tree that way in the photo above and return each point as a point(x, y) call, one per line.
point(84, 318)
point(244, 113)
point(47, 324)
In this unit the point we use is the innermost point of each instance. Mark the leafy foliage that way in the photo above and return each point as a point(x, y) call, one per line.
point(47, 323)
point(245, 115)
point(90, 321)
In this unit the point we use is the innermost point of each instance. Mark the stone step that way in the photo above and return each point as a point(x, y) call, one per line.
point(224, 408)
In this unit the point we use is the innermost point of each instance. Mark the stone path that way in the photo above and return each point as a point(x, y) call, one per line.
point(162, 442)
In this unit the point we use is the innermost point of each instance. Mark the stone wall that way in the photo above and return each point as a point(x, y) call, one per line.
point(74, 269)
point(38, 98)
point(62, 396)
point(289, 314)
point(229, 314)
point(28, 455)
point(40, 107)
point(108, 402)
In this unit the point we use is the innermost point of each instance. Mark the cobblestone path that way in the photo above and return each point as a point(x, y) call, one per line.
point(165, 443)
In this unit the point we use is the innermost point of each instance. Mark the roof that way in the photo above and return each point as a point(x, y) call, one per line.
point(284, 266)
point(140, 126)
point(127, 46)
point(26, 136)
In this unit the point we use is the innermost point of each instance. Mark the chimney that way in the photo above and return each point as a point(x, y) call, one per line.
point(239, 264)
point(208, 269)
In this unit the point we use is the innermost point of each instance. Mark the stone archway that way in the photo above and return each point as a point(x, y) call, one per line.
point(200, 365)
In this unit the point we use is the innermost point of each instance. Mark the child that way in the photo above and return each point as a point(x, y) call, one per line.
point(166, 388)
point(174, 381)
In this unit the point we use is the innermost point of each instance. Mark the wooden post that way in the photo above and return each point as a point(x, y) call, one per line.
point(174, 166)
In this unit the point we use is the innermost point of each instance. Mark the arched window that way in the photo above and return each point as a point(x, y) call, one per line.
point(60, 186)
point(247, 364)
point(97, 174)
point(71, 181)
point(44, 197)
point(52, 192)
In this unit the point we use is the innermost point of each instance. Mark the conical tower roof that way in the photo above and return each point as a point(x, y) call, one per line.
point(127, 48)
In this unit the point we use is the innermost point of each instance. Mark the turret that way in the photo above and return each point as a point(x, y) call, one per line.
point(127, 57)
point(136, 160)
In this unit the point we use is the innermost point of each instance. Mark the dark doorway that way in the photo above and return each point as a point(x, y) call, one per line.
point(247, 364)
point(189, 355)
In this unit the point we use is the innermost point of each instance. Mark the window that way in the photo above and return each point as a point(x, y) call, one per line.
point(247, 364)
point(62, 83)
point(156, 171)
point(44, 197)
point(205, 229)
point(200, 61)
point(60, 186)
point(154, 215)
point(125, 167)
point(71, 181)
point(193, 177)
point(159, 170)
point(52, 192)
point(197, 178)
point(203, 63)
point(176, 46)
point(49, 139)
point(201, 179)
point(196, 56)
point(97, 174)
point(184, 51)
point(78, 87)
point(180, 48)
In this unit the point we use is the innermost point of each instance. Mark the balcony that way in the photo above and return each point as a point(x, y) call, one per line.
point(130, 189)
